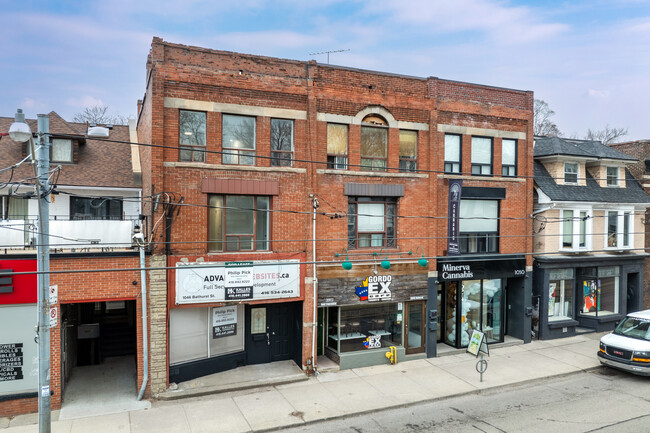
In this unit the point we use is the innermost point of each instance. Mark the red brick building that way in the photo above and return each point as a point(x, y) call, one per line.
point(267, 173)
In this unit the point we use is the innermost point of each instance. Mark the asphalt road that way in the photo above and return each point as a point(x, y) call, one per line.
point(603, 400)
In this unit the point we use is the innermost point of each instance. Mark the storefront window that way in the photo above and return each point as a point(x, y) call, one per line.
point(609, 281)
point(600, 297)
point(560, 295)
point(481, 309)
point(365, 328)
point(200, 333)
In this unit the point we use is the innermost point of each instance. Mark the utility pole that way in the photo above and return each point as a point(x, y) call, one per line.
point(43, 258)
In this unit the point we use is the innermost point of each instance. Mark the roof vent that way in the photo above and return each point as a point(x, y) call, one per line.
point(92, 125)
point(98, 131)
point(109, 125)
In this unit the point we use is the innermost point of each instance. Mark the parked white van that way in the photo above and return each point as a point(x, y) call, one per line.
point(628, 347)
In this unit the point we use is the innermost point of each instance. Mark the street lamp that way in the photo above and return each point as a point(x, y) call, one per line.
point(20, 132)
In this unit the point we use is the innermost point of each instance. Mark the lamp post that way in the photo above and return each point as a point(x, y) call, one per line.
point(20, 133)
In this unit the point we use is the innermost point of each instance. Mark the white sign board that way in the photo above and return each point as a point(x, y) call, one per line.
point(54, 294)
point(18, 352)
point(54, 317)
point(208, 282)
point(224, 321)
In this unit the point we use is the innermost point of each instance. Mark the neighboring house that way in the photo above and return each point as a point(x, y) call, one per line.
point(640, 149)
point(252, 156)
point(589, 237)
point(94, 207)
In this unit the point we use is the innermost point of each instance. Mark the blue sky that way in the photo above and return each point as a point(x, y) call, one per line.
point(589, 59)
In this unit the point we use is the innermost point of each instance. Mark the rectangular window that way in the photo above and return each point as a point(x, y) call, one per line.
point(374, 148)
point(627, 223)
point(281, 142)
point(408, 151)
point(509, 157)
point(612, 176)
point(609, 287)
point(583, 229)
point(83, 208)
point(479, 226)
point(349, 327)
point(560, 295)
point(192, 135)
point(612, 229)
point(371, 222)
point(197, 333)
point(337, 146)
point(238, 223)
point(238, 140)
point(61, 150)
point(567, 229)
point(570, 172)
point(452, 153)
point(481, 156)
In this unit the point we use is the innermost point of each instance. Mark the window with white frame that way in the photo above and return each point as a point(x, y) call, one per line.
point(481, 156)
point(452, 153)
point(570, 172)
point(479, 226)
point(612, 176)
point(619, 229)
point(576, 225)
point(509, 157)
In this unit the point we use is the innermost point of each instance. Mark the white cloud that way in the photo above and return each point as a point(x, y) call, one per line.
point(599, 94)
point(84, 101)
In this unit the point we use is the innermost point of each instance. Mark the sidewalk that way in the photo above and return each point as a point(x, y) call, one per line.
point(342, 393)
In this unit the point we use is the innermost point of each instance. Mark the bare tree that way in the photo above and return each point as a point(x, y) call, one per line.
point(99, 114)
point(606, 135)
point(542, 123)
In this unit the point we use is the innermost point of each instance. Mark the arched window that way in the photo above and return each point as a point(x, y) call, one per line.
point(374, 143)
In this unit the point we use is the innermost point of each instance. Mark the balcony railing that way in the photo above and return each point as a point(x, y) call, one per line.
point(68, 234)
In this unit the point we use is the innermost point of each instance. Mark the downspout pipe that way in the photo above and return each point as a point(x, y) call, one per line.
point(139, 239)
point(314, 362)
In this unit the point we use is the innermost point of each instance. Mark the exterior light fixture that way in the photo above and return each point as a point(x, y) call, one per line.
point(347, 264)
point(384, 263)
point(19, 131)
point(422, 261)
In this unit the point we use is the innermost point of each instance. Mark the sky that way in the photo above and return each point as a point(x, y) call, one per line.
point(588, 59)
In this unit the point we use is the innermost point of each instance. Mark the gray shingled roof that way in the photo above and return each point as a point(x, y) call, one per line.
point(548, 146)
point(592, 192)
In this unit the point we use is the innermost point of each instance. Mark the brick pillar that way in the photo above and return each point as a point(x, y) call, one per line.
point(158, 324)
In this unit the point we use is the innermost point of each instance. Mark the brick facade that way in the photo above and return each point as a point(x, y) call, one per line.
point(313, 95)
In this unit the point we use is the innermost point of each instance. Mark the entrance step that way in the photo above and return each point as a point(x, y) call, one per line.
point(247, 377)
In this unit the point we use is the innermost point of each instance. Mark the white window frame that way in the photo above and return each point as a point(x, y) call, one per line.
point(577, 220)
point(616, 179)
point(620, 229)
point(577, 173)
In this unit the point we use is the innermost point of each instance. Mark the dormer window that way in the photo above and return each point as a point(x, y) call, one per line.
point(570, 172)
point(612, 176)
point(61, 150)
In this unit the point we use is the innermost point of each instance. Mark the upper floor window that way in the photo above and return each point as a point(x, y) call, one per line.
point(337, 146)
point(612, 176)
point(281, 142)
point(574, 228)
point(61, 150)
point(508, 157)
point(238, 223)
point(481, 156)
point(192, 135)
point(619, 229)
point(479, 226)
point(238, 139)
point(452, 153)
point(570, 172)
point(371, 222)
point(408, 150)
point(13, 208)
point(374, 148)
point(85, 208)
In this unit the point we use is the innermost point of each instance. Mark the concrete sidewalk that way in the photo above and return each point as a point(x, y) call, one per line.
point(339, 394)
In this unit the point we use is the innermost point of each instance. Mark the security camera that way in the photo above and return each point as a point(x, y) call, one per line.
point(138, 238)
